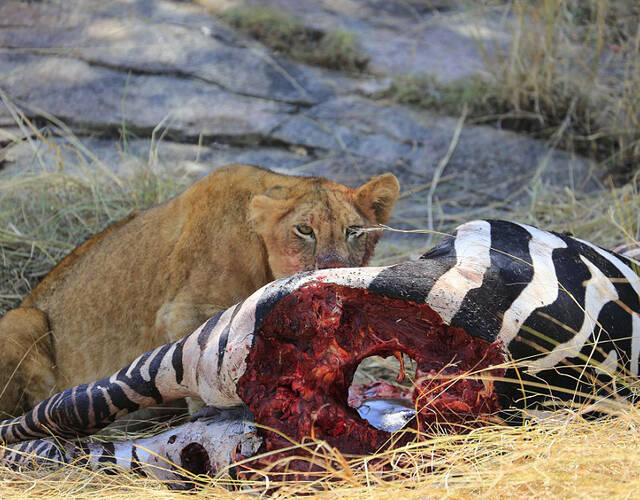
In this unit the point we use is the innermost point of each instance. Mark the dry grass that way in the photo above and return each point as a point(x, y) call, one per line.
point(608, 217)
point(568, 458)
point(44, 214)
point(571, 74)
point(575, 66)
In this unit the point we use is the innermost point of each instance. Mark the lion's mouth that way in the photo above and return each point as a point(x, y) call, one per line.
point(307, 349)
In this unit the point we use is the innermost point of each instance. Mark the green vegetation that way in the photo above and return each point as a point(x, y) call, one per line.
point(288, 36)
point(426, 92)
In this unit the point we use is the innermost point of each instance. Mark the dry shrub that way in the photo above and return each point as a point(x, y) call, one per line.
point(46, 214)
point(570, 75)
point(573, 71)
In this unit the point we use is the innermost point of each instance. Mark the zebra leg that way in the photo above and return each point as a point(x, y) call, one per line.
point(87, 408)
point(177, 456)
point(37, 453)
point(205, 364)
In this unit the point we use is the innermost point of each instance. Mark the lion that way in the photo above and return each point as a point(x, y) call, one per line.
point(156, 275)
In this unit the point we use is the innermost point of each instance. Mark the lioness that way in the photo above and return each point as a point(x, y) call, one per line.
point(158, 274)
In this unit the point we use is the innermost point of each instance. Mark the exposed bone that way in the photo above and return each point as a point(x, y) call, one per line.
point(206, 446)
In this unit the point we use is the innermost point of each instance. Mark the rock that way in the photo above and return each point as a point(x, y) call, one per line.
point(407, 38)
point(102, 100)
point(175, 158)
point(144, 83)
point(492, 162)
point(161, 42)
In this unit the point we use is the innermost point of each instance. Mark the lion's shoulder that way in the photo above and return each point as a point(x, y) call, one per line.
point(78, 252)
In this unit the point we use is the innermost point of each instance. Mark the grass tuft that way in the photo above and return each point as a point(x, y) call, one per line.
point(288, 36)
point(609, 217)
point(46, 214)
point(574, 67)
point(425, 91)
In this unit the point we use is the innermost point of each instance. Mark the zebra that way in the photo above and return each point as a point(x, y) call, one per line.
point(176, 457)
point(503, 319)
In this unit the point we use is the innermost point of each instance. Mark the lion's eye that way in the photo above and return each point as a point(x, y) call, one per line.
point(304, 230)
point(354, 231)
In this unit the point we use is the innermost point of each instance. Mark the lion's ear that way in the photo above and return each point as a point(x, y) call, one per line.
point(268, 207)
point(380, 195)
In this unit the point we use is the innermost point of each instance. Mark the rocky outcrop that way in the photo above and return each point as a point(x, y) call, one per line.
point(170, 76)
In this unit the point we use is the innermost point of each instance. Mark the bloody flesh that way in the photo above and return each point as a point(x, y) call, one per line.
point(309, 346)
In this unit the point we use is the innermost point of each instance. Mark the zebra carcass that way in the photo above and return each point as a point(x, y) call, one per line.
point(501, 318)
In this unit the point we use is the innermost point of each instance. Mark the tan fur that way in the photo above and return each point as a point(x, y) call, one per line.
point(158, 274)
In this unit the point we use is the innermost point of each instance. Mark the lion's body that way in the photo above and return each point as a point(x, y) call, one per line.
point(156, 275)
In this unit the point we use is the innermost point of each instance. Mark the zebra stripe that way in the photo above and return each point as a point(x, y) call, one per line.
point(610, 364)
point(635, 344)
point(161, 456)
point(541, 291)
point(599, 291)
point(472, 247)
point(223, 339)
point(633, 280)
point(148, 380)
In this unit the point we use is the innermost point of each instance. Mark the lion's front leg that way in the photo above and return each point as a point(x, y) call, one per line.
point(27, 373)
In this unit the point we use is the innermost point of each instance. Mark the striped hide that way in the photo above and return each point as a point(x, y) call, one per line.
point(502, 318)
point(176, 457)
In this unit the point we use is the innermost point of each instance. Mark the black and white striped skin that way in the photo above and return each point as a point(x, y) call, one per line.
point(207, 363)
point(565, 311)
point(206, 446)
point(172, 371)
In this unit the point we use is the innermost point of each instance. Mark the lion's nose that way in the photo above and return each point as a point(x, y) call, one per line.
point(331, 260)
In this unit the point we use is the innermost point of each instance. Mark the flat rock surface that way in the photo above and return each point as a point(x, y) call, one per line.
point(192, 94)
point(402, 37)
